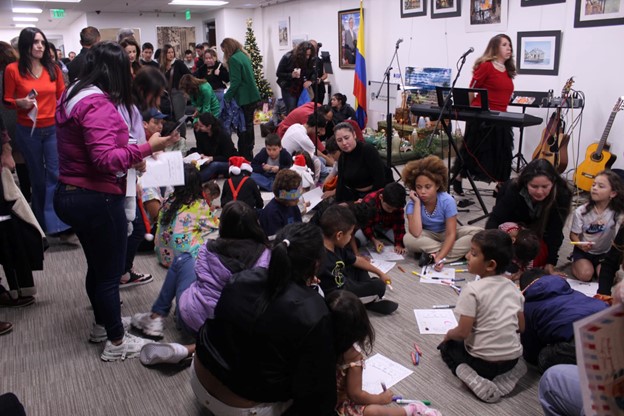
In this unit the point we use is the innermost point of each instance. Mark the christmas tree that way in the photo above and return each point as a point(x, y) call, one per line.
point(256, 62)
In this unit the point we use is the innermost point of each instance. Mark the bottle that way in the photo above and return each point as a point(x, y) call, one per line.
point(421, 123)
point(396, 142)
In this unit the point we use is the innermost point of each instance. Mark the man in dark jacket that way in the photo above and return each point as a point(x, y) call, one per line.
point(89, 36)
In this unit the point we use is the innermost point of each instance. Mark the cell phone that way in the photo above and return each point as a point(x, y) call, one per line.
point(167, 131)
point(33, 93)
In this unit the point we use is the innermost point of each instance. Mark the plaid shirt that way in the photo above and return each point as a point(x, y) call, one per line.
point(386, 220)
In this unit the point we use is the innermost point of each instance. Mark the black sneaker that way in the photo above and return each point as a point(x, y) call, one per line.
point(136, 279)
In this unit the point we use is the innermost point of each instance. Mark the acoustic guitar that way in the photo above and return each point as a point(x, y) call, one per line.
point(597, 156)
point(553, 145)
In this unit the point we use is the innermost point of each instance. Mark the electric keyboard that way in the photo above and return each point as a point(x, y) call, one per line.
point(499, 117)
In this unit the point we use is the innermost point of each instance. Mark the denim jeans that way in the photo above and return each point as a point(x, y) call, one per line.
point(99, 221)
point(214, 169)
point(41, 157)
point(247, 138)
point(290, 100)
point(220, 94)
point(264, 182)
point(179, 277)
point(560, 391)
point(134, 239)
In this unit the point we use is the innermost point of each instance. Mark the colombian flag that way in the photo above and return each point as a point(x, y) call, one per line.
point(359, 78)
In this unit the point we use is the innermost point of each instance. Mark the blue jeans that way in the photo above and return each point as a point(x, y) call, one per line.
point(99, 221)
point(134, 239)
point(41, 156)
point(179, 277)
point(264, 182)
point(289, 99)
point(214, 169)
point(560, 391)
point(220, 94)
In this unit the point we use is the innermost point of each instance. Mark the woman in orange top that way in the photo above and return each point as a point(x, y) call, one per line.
point(32, 86)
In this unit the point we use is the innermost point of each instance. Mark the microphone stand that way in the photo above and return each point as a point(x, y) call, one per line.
point(386, 79)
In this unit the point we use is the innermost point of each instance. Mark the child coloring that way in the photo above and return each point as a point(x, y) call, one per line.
point(239, 186)
point(282, 209)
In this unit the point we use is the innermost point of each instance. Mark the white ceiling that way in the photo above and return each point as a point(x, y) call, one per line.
point(74, 10)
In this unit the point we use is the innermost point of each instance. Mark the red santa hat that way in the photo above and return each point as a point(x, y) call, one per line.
point(299, 160)
point(238, 164)
point(299, 166)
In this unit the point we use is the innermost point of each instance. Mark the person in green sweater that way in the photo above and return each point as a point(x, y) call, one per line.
point(201, 94)
point(243, 89)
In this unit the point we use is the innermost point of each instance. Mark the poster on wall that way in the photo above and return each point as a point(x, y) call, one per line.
point(112, 32)
point(284, 33)
point(413, 8)
point(529, 3)
point(592, 13)
point(181, 38)
point(348, 26)
point(297, 39)
point(538, 52)
point(445, 8)
point(486, 15)
point(423, 82)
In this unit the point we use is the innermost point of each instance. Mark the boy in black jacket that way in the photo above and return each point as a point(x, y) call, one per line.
point(240, 187)
point(269, 161)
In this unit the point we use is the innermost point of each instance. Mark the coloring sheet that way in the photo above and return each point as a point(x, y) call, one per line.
point(384, 266)
point(437, 278)
point(380, 369)
point(435, 321)
point(166, 169)
point(387, 254)
point(586, 288)
point(313, 197)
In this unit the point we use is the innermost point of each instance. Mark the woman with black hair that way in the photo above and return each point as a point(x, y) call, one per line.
point(93, 121)
point(295, 72)
point(133, 50)
point(215, 146)
point(269, 348)
point(36, 79)
point(342, 110)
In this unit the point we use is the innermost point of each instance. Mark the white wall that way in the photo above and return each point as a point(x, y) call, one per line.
point(71, 35)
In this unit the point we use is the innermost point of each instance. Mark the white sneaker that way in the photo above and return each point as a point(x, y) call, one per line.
point(130, 347)
point(161, 353)
point(150, 327)
point(98, 332)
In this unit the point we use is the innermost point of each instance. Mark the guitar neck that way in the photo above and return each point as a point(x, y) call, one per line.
point(605, 133)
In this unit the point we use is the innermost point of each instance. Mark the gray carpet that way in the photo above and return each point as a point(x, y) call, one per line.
point(48, 363)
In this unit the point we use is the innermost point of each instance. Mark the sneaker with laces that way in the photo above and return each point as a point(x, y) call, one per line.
point(483, 388)
point(135, 279)
point(130, 347)
point(150, 327)
point(163, 353)
point(98, 332)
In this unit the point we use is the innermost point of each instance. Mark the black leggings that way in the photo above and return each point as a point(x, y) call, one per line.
point(611, 264)
point(454, 353)
point(367, 288)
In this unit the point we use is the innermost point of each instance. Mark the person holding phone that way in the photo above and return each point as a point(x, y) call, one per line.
point(32, 85)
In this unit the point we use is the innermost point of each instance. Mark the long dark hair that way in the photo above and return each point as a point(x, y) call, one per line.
point(136, 65)
point(207, 119)
point(25, 44)
point(617, 202)
point(163, 56)
point(239, 221)
point(183, 195)
point(106, 66)
point(350, 322)
point(299, 58)
point(295, 258)
point(148, 81)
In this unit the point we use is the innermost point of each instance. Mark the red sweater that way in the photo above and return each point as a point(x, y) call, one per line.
point(498, 84)
point(17, 86)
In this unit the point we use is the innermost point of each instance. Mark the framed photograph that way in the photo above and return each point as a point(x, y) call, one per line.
point(487, 16)
point(284, 33)
point(538, 53)
point(348, 25)
point(413, 8)
point(297, 39)
point(445, 8)
point(592, 13)
point(529, 3)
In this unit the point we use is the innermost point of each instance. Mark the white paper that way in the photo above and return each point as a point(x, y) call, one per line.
point(313, 197)
point(435, 321)
point(384, 266)
point(586, 288)
point(600, 359)
point(131, 182)
point(380, 369)
point(167, 169)
point(195, 157)
point(387, 254)
point(446, 274)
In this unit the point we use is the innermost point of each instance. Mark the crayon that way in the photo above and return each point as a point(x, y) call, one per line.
point(461, 270)
point(414, 272)
point(406, 401)
point(458, 263)
point(401, 268)
point(581, 243)
point(379, 247)
point(383, 386)
point(414, 355)
point(443, 306)
point(417, 349)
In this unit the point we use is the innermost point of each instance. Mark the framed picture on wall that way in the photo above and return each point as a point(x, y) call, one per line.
point(283, 30)
point(528, 3)
point(445, 8)
point(348, 26)
point(413, 8)
point(592, 13)
point(538, 53)
point(487, 16)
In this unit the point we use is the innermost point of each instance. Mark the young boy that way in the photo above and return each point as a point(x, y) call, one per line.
point(386, 217)
point(240, 187)
point(551, 308)
point(484, 349)
point(282, 210)
point(344, 270)
point(269, 161)
point(329, 186)
point(146, 55)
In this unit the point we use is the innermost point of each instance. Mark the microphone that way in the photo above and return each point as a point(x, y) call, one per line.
point(468, 52)
point(399, 41)
point(319, 45)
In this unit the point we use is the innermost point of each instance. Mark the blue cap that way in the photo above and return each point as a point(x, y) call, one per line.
point(152, 113)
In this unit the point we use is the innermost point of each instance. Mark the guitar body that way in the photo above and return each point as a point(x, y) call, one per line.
point(554, 149)
point(593, 164)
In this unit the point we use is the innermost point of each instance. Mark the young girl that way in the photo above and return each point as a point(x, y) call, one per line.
point(596, 224)
point(353, 333)
point(185, 221)
point(282, 210)
point(432, 213)
point(526, 246)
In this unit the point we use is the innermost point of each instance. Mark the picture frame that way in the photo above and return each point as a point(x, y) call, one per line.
point(530, 3)
point(441, 9)
point(599, 13)
point(487, 16)
point(283, 33)
point(413, 8)
point(348, 26)
point(537, 53)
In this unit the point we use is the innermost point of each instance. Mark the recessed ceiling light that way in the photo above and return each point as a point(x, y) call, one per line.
point(198, 3)
point(24, 25)
point(27, 10)
point(25, 19)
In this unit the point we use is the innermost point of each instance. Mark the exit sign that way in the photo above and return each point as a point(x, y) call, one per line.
point(188, 15)
point(57, 13)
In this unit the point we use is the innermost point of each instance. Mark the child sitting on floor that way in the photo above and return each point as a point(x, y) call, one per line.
point(342, 269)
point(239, 186)
point(268, 161)
point(282, 209)
point(526, 246)
point(353, 336)
point(484, 349)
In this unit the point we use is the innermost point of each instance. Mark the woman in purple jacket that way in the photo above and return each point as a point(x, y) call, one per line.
point(197, 284)
point(94, 156)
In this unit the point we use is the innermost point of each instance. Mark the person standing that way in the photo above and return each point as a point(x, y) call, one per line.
point(295, 72)
point(89, 36)
point(215, 73)
point(243, 89)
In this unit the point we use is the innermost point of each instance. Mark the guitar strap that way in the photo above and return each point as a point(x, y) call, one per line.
point(238, 188)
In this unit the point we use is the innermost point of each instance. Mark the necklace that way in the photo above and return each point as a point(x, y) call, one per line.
point(498, 65)
point(600, 219)
point(435, 209)
point(33, 74)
